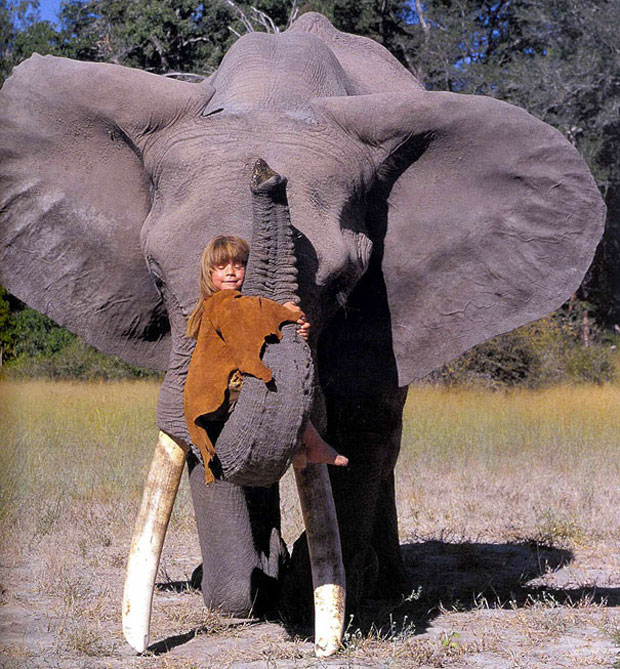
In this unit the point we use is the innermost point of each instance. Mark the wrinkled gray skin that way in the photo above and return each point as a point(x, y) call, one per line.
point(274, 413)
point(426, 222)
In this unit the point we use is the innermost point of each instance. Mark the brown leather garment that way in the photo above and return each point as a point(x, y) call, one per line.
point(231, 337)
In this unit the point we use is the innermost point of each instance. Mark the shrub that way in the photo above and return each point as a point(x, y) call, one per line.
point(77, 361)
point(547, 351)
point(37, 335)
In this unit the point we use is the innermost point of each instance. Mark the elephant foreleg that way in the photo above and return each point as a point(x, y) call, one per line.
point(242, 551)
point(391, 579)
point(364, 497)
point(364, 408)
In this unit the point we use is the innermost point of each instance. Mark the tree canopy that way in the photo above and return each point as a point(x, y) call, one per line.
point(559, 59)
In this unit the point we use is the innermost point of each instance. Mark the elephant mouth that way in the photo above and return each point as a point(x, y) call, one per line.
point(257, 442)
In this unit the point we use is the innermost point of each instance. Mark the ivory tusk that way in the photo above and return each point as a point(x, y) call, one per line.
point(158, 498)
point(328, 578)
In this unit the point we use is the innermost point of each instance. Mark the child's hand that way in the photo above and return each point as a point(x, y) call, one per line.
point(304, 327)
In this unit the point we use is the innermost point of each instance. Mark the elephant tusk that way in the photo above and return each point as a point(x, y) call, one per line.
point(328, 578)
point(148, 538)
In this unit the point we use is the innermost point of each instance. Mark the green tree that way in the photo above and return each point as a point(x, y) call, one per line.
point(22, 33)
point(560, 60)
point(162, 36)
point(386, 21)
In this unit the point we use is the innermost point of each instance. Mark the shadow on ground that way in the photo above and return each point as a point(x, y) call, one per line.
point(454, 576)
point(467, 576)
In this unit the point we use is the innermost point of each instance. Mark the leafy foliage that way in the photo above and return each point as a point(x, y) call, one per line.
point(25, 332)
point(77, 360)
point(22, 33)
point(550, 350)
point(387, 22)
point(557, 58)
point(157, 35)
point(6, 340)
point(34, 346)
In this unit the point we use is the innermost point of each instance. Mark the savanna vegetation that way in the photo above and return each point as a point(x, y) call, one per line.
point(557, 58)
point(508, 505)
point(507, 482)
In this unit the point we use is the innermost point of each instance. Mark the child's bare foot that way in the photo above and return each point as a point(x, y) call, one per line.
point(323, 452)
point(317, 450)
point(327, 455)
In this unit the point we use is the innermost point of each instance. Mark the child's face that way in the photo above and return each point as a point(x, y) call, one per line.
point(229, 276)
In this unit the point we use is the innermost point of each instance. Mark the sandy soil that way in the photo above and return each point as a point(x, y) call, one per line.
point(471, 605)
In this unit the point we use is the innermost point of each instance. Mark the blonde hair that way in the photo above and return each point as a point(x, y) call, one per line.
point(219, 251)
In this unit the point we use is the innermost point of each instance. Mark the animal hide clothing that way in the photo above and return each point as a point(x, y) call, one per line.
point(231, 337)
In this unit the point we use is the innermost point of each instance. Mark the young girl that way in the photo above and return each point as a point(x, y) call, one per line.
point(222, 268)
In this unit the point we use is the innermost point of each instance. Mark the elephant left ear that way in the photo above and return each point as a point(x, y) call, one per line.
point(79, 146)
point(492, 217)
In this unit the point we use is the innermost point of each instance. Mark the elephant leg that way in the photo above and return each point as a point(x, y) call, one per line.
point(364, 405)
point(242, 551)
point(365, 504)
point(364, 495)
point(391, 578)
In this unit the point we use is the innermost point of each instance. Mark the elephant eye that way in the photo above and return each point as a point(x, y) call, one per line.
point(215, 111)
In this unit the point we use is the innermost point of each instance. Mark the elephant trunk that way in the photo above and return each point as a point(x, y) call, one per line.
point(259, 439)
point(271, 270)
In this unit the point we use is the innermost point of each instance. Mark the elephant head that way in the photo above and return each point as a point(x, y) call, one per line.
point(454, 217)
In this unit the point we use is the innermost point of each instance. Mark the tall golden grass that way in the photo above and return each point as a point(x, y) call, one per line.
point(69, 448)
point(574, 421)
point(475, 466)
point(541, 465)
point(464, 452)
point(84, 440)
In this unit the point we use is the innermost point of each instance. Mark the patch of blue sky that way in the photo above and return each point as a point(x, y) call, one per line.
point(48, 10)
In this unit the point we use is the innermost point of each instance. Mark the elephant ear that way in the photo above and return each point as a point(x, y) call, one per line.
point(490, 217)
point(74, 193)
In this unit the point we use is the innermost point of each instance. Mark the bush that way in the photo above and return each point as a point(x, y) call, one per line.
point(547, 351)
point(77, 361)
point(26, 332)
point(593, 364)
point(37, 335)
point(33, 345)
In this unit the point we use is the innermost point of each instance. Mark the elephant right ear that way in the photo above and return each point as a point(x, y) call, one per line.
point(74, 193)
point(486, 218)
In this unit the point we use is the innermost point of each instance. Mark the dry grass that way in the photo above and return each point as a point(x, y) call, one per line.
point(524, 465)
point(74, 445)
point(509, 524)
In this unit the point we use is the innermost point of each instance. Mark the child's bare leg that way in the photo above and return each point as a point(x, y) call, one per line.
point(317, 450)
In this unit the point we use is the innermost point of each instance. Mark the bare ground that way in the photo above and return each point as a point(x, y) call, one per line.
point(512, 550)
point(472, 604)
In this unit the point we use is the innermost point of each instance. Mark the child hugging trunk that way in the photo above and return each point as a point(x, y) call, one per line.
point(211, 370)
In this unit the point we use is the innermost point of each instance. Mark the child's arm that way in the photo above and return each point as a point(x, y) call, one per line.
point(304, 327)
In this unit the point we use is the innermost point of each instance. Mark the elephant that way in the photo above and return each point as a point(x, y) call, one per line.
point(423, 222)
